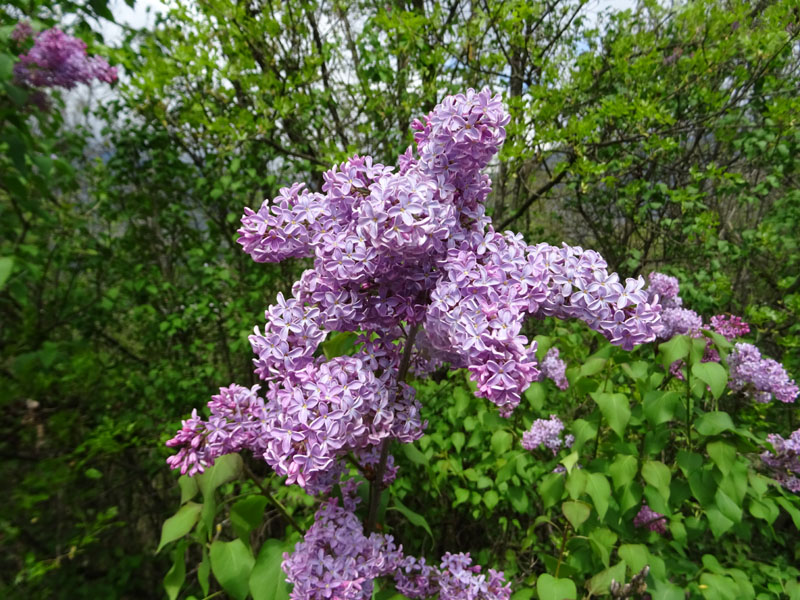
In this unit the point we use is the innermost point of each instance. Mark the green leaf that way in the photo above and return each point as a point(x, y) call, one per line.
point(519, 499)
point(719, 523)
point(658, 475)
point(570, 460)
point(173, 580)
point(179, 524)
point(226, 468)
point(576, 512)
point(268, 581)
point(231, 563)
point(204, 572)
point(592, 366)
point(490, 499)
point(659, 406)
point(93, 473)
point(501, 442)
point(550, 588)
point(677, 348)
point(723, 454)
point(727, 506)
point(713, 374)
point(598, 489)
point(413, 517)
point(458, 441)
point(615, 409)
point(602, 540)
point(623, 470)
point(636, 556)
point(414, 455)
point(551, 488)
point(188, 487)
point(793, 511)
point(247, 514)
point(6, 66)
point(6, 266)
point(600, 583)
point(339, 343)
point(713, 423)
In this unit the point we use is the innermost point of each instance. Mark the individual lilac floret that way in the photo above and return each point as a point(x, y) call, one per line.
point(666, 288)
point(760, 378)
point(785, 462)
point(59, 60)
point(649, 518)
point(729, 326)
point(554, 368)
point(547, 432)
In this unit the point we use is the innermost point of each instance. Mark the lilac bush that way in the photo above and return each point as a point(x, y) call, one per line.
point(547, 433)
point(408, 258)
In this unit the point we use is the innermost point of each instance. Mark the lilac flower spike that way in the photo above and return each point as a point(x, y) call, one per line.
point(760, 378)
point(554, 368)
point(649, 518)
point(785, 463)
point(546, 432)
point(58, 60)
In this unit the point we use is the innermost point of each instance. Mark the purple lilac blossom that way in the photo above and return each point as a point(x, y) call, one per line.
point(554, 368)
point(729, 326)
point(336, 560)
point(649, 518)
point(59, 60)
point(761, 378)
point(664, 289)
point(546, 432)
point(785, 462)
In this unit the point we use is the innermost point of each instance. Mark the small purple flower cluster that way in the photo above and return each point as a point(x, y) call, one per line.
point(336, 560)
point(554, 368)
point(729, 326)
point(760, 378)
point(58, 60)
point(547, 432)
point(785, 463)
point(649, 518)
point(675, 320)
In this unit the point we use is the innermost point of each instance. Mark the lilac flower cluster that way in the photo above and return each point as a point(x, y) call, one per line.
point(547, 432)
point(785, 463)
point(760, 378)
point(336, 560)
point(58, 60)
point(554, 369)
point(729, 326)
point(398, 255)
point(649, 518)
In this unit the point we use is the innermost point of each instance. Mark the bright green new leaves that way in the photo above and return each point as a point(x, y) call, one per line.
point(615, 409)
point(231, 563)
point(179, 524)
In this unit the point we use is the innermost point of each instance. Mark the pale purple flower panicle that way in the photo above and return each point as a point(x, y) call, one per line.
point(729, 326)
point(58, 60)
point(760, 378)
point(546, 432)
point(336, 560)
point(785, 462)
point(649, 518)
point(554, 369)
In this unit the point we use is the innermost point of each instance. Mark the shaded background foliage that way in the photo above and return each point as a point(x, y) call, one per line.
point(664, 137)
